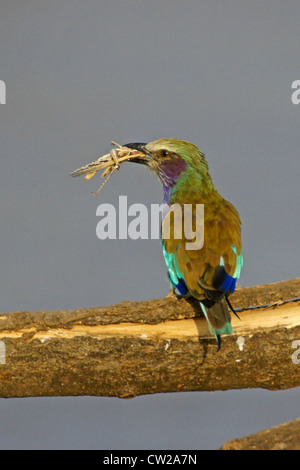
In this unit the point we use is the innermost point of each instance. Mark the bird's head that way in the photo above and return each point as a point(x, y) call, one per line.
point(173, 160)
point(168, 158)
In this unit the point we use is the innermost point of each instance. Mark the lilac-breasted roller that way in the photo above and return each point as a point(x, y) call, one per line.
point(210, 273)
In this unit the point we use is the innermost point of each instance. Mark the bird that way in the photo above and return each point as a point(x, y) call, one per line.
point(208, 273)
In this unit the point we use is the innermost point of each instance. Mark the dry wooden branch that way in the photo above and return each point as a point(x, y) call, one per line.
point(283, 437)
point(153, 346)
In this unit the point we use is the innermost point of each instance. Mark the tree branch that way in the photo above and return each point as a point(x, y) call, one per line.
point(283, 437)
point(160, 345)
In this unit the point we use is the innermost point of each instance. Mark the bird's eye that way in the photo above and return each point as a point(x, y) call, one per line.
point(165, 153)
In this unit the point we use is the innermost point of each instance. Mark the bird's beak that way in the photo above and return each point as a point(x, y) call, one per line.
point(136, 146)
point(141, 147)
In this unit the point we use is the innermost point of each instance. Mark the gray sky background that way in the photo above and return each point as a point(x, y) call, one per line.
point(82, 73)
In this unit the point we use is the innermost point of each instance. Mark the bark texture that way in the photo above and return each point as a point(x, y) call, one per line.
point(283, 437)
point(154, 346)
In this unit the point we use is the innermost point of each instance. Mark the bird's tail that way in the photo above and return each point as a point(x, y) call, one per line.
point(219, 319)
